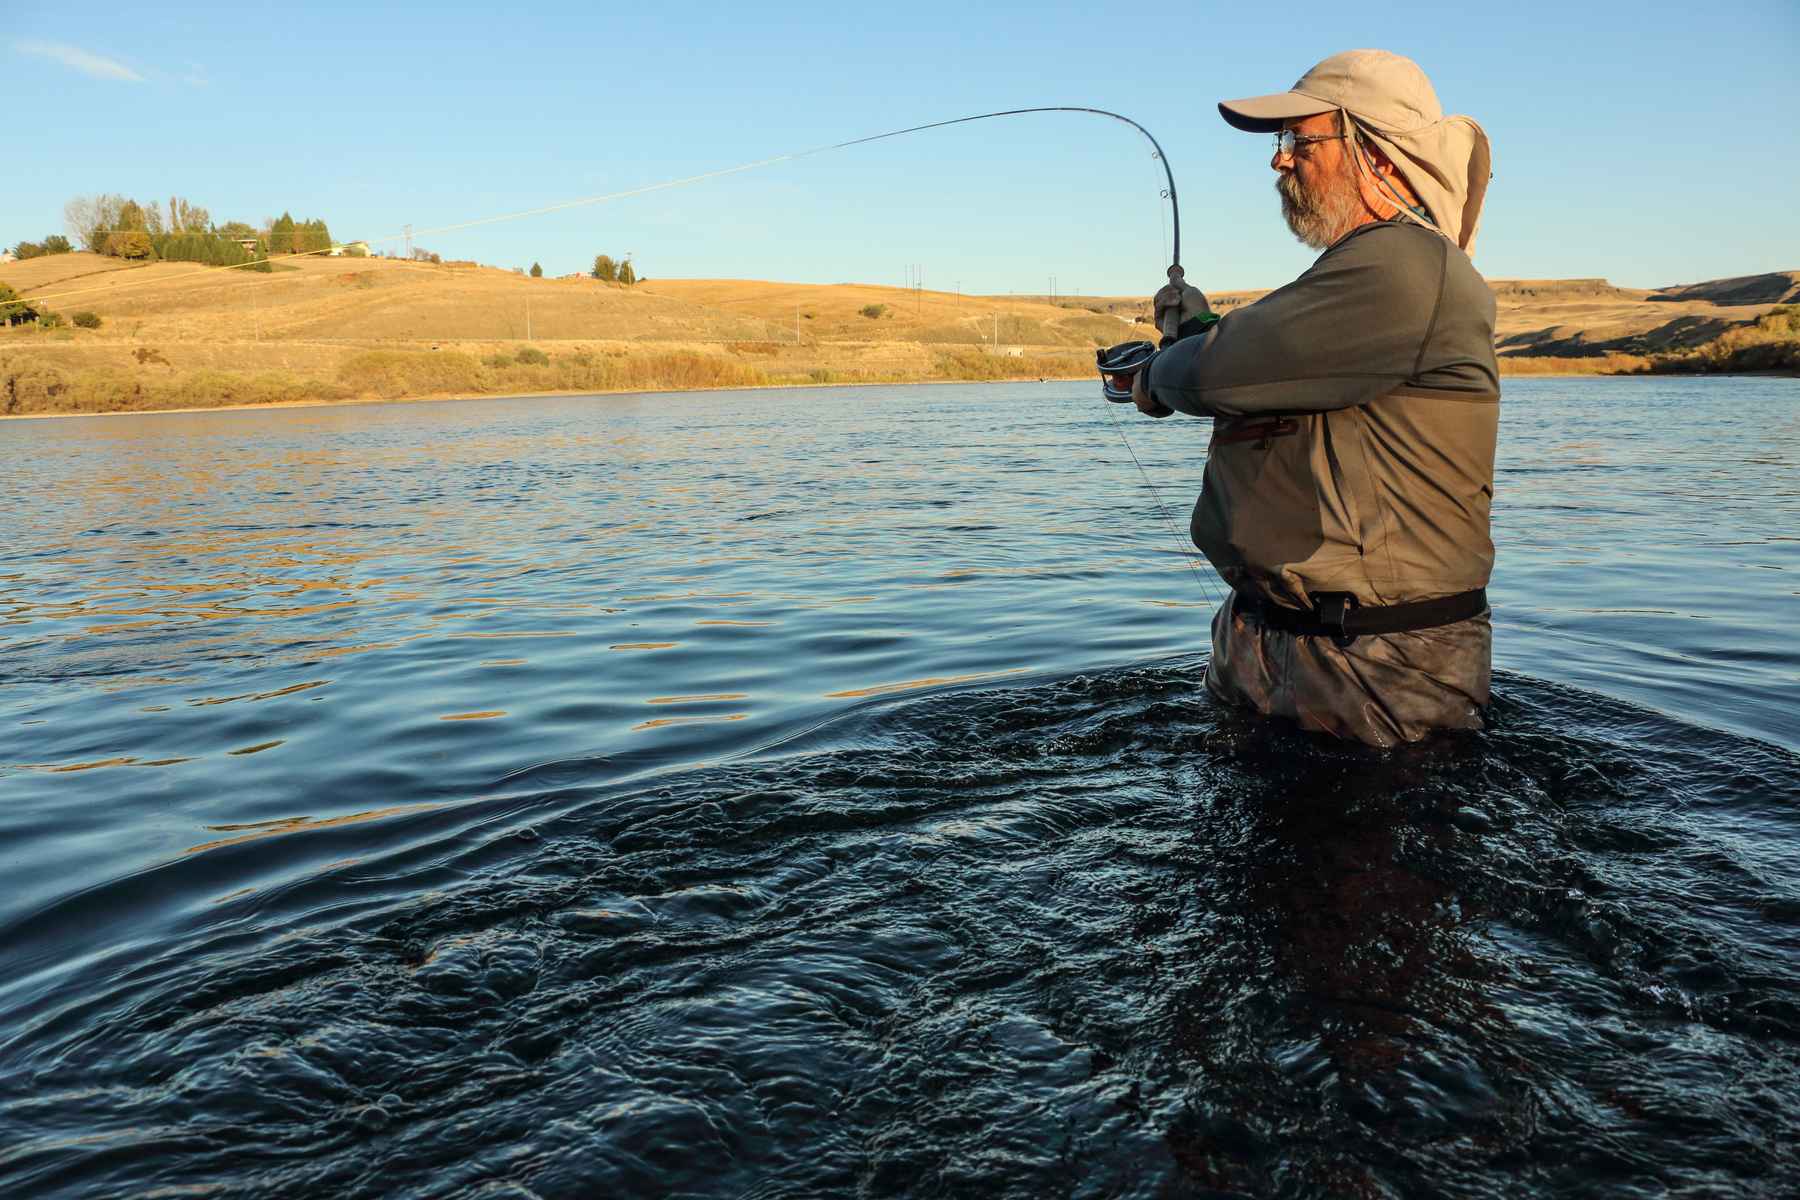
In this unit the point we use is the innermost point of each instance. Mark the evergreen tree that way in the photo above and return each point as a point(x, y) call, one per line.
point(626, 274)
point(605, 269)
point(282, 235)
point(537, 272)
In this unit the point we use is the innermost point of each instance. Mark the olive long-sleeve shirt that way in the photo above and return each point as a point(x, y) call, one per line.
point(1388, 304)
point(1377, 479)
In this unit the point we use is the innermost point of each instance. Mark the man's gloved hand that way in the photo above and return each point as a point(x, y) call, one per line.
point(1182, 298)
point(1140, 396)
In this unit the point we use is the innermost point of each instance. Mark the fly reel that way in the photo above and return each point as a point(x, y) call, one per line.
point(1127, 359)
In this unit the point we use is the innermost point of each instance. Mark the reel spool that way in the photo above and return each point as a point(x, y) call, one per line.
point(1127, 358)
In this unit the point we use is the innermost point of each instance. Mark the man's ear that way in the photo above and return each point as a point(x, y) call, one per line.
point(1382, 164)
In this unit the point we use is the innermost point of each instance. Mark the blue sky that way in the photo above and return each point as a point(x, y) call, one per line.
point(1647, 143)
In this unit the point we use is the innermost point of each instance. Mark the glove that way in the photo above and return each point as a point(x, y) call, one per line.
point(1182, 298)
point(1140, 396)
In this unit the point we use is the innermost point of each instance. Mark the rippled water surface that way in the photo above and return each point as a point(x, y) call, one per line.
point(811, 792)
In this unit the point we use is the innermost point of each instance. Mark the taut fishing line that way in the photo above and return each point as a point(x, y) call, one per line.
point(1174, 271)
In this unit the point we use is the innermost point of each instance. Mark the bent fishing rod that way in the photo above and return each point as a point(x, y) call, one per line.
point(1124, 360)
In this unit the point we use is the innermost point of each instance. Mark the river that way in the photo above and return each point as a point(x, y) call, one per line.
point(811, 792)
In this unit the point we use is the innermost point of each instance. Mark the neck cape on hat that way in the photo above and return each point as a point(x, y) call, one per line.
point(1392, 104)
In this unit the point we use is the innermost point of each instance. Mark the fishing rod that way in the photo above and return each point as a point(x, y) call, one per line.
point(1126, 359)
point(1123, 360)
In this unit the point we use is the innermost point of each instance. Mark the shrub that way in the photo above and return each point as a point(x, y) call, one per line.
point(532, 357)
point(130, 244)
point(874, 311)
point(497, 360)
point(30, 387)
point(50, 320)
point(86, 320)
point(391, 374)
point(14, 311)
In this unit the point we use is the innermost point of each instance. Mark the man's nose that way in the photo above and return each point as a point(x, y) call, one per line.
point(1281, 162)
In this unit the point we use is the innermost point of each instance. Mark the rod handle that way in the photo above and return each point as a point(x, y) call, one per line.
point(1171, 322)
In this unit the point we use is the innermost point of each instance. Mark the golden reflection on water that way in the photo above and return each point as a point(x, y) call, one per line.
point(643, 645)
point(661, 722)
point(487, 715)
point(704, 699)
point(883, 689)
point(130, 760)
point(280, 825)
point(259, 747)
point(286, 691)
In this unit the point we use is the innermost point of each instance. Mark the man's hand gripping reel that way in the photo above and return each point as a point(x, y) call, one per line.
point(1120, 364)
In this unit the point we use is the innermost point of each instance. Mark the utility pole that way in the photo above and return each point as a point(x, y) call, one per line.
point(406, 230)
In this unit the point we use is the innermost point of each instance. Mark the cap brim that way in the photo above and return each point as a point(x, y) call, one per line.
point(1264, 114)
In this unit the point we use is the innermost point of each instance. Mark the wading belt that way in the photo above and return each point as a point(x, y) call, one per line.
point(1337, 615)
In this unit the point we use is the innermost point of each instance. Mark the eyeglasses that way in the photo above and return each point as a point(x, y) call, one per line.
point(1287, 141)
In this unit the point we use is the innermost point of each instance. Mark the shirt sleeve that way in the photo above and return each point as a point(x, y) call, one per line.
point(1349, 330)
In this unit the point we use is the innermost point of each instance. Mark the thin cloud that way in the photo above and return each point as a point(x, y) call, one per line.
point(77, 59)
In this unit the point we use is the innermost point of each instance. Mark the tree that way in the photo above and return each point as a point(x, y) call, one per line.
point(236, 229)
point(186, 217)
point(25, 250)
point(14, 311)
point(130, 243)
point(537, 272)
point(605, 269)
point(282, 235)
point(314, 237)
point(56, 243)
point(93, 219)
point(135, 218)
point(626, 274)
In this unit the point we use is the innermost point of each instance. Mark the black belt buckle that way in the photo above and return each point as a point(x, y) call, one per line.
point(1333, 609)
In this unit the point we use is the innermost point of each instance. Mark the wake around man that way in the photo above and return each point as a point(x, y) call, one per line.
point(1351, 466)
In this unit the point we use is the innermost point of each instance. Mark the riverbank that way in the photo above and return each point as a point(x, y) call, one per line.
point(37, 391)
point(74, 379)
point(176, 336)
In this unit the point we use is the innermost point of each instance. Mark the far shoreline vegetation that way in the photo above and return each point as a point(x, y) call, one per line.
point(147, 308)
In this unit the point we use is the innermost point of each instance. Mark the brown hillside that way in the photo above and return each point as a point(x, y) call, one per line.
point(178, 334)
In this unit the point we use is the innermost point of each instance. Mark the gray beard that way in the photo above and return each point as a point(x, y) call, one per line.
point(1318, 220)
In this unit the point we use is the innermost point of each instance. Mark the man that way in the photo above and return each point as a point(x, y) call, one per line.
point(1351, 465)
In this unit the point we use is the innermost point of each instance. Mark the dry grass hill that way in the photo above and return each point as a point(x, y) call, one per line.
point(327, 329)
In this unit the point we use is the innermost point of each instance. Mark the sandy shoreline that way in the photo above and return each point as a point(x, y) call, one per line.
point(448, 396)
point(749, 387)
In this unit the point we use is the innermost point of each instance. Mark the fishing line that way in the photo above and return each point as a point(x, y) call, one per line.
point(1168, 521)
point(666, 185)
point(1169, 194)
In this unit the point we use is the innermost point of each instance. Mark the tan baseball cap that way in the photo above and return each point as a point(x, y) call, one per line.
point(1385, 89)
